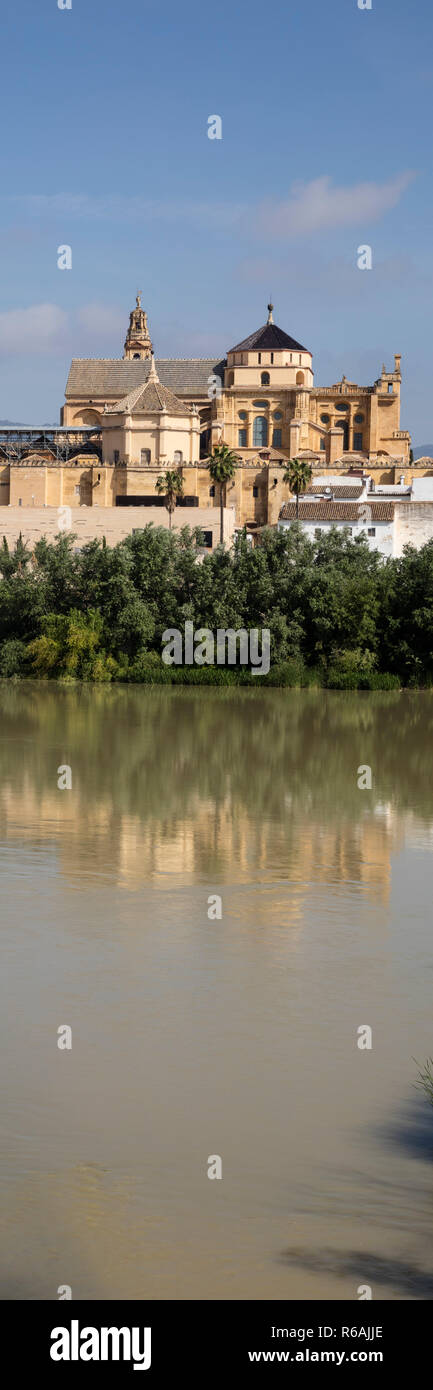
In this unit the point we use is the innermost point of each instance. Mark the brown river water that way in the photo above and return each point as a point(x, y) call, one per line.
point(235, 1036)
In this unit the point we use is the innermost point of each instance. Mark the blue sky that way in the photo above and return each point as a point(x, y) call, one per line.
point(326, 145)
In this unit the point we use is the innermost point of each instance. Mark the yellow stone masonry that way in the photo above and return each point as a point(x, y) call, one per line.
point(260, 400)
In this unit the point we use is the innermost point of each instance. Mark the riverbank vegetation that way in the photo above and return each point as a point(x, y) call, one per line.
point(425, 1079)
point(338, 615)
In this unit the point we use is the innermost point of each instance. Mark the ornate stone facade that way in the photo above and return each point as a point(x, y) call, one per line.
point(260, 399)
point(260, 395)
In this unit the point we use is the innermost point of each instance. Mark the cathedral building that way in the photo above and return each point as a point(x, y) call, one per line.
point(140, 415)
point(260, 399)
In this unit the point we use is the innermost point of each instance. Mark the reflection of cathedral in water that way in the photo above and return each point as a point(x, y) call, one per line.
point(212, 844)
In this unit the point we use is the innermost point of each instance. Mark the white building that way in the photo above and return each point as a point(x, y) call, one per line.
point(374, 519)
point(390, 517)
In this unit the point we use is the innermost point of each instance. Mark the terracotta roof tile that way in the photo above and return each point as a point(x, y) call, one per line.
point(348, 492)
point(337, 511)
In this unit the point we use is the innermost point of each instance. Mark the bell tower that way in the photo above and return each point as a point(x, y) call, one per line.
point(137, 341)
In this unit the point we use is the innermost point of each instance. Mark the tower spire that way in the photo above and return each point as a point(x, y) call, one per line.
point(270, 309)
point(138, 341)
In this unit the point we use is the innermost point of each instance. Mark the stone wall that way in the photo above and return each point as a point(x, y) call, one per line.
point(112, 522)
point(257, 491)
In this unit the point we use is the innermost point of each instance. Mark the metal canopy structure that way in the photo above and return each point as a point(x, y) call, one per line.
point(62, 442)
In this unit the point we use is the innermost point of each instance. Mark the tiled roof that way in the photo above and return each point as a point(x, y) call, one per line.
point(149, 399)
point(269, 336)
point(116, 377)
point(349, 492)
point(337, 511)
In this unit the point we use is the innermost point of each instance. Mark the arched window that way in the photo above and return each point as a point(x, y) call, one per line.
point(230, 378)
point(178, 457)
point(145, 456)
point(136, 354)
point(260, 432)
point(265, 379)
point(299, 378)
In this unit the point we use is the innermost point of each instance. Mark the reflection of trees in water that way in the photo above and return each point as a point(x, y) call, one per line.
point(404, 1278)
point(280, 758)
point(378, 1203)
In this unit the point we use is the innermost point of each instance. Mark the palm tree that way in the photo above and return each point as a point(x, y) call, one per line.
point(170, 485)
point(298, 474)
point(222, 466)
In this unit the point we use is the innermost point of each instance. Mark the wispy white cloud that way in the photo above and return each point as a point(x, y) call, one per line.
point(101, 319)
point(47, 328)
point(322, 273)
point(34, 329)
point(316, 206)
point(117, 208)
point(320, 206)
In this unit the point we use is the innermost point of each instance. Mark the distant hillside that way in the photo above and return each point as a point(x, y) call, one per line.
point(423, 451)
point(21, 425)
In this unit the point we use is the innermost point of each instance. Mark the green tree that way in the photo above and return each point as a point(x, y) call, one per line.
point(297, 474)
point(222, 465)
point(71, 646)
point(170, 485)
point(332, 605)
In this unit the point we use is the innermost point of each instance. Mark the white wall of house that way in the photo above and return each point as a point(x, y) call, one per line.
point(413, 524)
point(422, 489)
point(379, 534)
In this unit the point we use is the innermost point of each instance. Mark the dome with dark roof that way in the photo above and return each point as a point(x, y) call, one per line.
point(268, 336)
